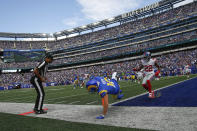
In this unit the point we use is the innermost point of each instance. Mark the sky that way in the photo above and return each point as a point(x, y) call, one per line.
point(50, 16)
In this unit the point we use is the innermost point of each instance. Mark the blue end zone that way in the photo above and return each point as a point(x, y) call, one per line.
point(183, 94)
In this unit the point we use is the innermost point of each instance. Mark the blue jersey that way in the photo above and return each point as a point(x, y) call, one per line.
point(106, 86)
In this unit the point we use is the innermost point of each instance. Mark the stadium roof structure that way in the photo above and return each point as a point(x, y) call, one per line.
point(25, 35)
point(123, 18)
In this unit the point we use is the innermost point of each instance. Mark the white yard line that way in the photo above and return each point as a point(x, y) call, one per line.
point(74, 102)
point(130, 98)
point(60, 102)
point(91, 102)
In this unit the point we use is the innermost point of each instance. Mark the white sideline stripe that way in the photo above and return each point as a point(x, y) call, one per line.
point(91, 102)
point(60, 102)
point(130, 98)
point(74, 102)
point(64, 97)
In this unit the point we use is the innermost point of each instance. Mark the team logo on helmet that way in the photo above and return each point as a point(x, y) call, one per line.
point(92, 86)
point(147, 54)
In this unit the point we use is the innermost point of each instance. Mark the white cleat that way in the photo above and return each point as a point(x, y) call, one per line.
point(152, 95)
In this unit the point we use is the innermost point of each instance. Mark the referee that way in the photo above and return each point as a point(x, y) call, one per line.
point(39, 76)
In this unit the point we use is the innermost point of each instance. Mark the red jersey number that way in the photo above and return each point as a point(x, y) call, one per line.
point(148, 68)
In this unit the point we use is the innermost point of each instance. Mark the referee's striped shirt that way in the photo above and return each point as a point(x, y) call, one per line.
point(42, 68)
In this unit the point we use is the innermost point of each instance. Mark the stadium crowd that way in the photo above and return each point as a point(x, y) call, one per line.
point(126, 49)
point(173, 62)
point(110, 52)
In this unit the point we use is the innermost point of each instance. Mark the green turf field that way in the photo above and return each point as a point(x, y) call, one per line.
point(68, 95)
point(80, 96)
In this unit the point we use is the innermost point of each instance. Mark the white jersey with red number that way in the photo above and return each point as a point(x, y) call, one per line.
point(148, 66)
point(186, 67)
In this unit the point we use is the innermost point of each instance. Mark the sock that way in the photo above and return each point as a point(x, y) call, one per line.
point(149, 86)
point(102, 102)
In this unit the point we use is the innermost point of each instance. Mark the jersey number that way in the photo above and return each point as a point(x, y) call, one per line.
point(109, 83)
point(148, 68)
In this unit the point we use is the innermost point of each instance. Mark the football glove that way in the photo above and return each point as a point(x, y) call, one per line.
point(134, 69)
point(100, 117)
point(120, 96)
point(157, 73)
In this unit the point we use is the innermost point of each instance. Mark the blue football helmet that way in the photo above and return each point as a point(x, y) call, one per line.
point(91, 85)
point(147, 55)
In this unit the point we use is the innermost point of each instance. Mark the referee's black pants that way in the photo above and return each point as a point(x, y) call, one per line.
point(40, 93)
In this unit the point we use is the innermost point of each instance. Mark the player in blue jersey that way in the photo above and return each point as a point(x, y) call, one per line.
point(76, 82)
point(104, 87)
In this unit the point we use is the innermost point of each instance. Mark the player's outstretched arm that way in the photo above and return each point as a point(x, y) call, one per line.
point(105, 107)
point(105, 104)
point(138, 69)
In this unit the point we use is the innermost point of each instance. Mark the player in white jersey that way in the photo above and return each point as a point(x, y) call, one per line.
point(187, 70)
point(147, 64)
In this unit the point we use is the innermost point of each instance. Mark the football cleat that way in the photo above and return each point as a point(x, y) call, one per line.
point(40, 111)
point(154, 94)
point(151, 95)
point(100, 117)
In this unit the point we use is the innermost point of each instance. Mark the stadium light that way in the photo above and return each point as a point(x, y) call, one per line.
point(70, 30)
point(96, 23)
point(83, 27)
point(110, 19)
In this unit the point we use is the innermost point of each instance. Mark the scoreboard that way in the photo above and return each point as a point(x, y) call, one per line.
point(23, 55)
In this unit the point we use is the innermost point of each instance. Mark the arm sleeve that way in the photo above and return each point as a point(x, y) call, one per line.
point(102, 93)
point(41, 65)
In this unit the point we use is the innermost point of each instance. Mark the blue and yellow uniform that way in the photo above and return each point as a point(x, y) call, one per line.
point(133, 77)
point(104, 86)
point(76, 82)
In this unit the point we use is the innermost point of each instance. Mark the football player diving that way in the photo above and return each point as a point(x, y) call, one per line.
point(147, 64)
point(104, 87)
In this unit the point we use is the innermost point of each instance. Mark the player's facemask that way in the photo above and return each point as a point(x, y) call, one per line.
point(147, 55)
point(92, 88)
